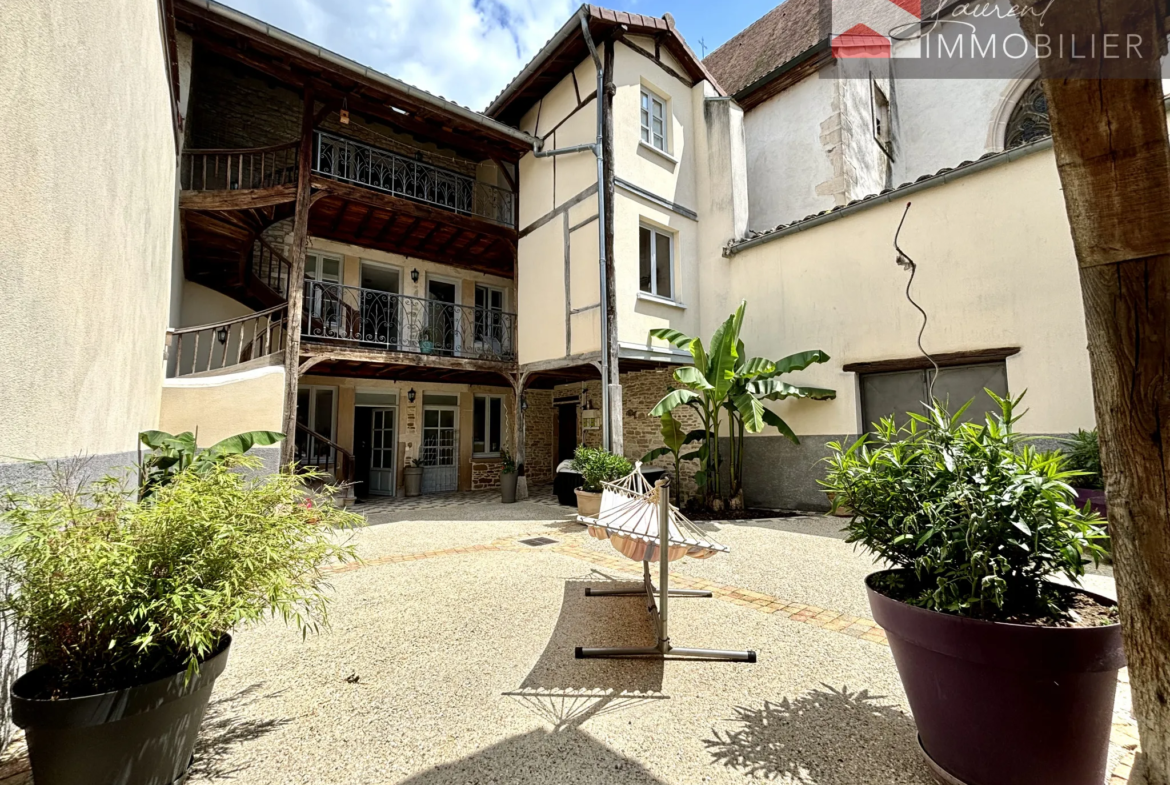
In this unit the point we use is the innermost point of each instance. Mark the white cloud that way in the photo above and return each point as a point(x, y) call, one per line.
point(465, 50)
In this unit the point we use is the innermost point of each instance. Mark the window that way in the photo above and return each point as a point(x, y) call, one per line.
point(886, 394)
point(1029, 120)
point(656, 249)
point(653, 120)
point(488, 423)
point(489, 315)
point(882, 130)
point(316, 411)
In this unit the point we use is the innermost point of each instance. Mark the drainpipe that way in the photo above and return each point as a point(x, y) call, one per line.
point(596, 149)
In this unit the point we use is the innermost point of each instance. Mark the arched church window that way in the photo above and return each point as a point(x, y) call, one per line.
point(1029, 120)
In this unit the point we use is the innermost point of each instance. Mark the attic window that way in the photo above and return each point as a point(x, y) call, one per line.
point(653, 120)
point(882, 128)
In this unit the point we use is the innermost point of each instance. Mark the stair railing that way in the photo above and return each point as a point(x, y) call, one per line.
point(215, 347)
point(270, 267)
point(236, 169)
point(320, 452)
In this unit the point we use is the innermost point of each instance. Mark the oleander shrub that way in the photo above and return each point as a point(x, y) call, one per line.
point(1083, 455)
point(112, 591)
point(977, 518)
point(597, 466)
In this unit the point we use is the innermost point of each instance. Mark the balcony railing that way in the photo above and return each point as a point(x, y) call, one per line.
point(216, 347)
point(231, 170)
point(394, 322)
point(361, 164)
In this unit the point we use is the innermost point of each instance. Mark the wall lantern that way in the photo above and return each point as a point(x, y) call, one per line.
point(410, 395)
point(414, 275)
point(523, 403)
point(221, 335)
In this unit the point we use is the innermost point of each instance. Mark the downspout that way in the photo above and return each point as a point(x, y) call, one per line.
point(596, 148)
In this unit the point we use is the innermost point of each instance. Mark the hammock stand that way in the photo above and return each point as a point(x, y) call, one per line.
point(624, 522)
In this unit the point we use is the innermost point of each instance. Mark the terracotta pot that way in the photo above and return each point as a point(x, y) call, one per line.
point(141, 735)
point(588, 503)
point(1005, 704)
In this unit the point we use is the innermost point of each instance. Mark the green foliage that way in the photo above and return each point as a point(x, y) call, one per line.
point(675, 438)
point(170, 454)
point(1084, 457)
point(978, 518)
point(722, 379)
point(597, 466)
point(113, 591)
point(509, 462)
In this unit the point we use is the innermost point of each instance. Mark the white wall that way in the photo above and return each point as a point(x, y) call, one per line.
point(87, 199)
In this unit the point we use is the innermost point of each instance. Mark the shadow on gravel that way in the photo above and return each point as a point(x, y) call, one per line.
point(567, 692)
point(825, 737)
point(224, 729)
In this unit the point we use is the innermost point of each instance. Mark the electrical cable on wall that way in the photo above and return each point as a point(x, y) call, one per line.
point(906, 263)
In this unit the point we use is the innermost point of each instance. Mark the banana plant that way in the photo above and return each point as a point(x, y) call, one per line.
point(171, 454)
point(721, 381)
point(675, 438)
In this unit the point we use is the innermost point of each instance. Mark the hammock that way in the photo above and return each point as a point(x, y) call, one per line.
point(629, 520)
point(631, 512)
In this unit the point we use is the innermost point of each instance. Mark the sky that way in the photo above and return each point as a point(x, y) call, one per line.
point(468, 50)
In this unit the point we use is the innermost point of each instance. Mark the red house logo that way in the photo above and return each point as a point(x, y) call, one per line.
point(867, 25)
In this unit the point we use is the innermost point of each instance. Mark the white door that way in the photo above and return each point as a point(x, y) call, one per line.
point(440, 449)
point(382, 448)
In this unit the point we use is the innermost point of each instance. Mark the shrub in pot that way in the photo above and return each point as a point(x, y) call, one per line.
point(412, 475)
point(1083, 456)
point(596, 466)
point(508, 477)
point(1010, 676)
point(127, 607)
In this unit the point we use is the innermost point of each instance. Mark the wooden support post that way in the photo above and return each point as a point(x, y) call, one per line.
point(296, 283)
point(611, 387)
point(518, 434)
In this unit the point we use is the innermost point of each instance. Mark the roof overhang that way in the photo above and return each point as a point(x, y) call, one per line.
point(293, 60)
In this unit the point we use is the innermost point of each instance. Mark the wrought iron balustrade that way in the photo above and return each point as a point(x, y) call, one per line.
point(231, 170)
point(399, 323)
point(362, 164)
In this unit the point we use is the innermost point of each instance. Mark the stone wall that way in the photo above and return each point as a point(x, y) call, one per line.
point(485, 474)
point(538, 437)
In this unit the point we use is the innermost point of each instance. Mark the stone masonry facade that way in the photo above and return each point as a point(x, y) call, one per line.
point(485, 475)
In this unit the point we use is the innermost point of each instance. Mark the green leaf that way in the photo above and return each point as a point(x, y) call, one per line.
point(798, 362)
point(242, 442)
point(656, 453)
point(690, 375)
point(773, 419)
point(672, 401)
point(750, 410)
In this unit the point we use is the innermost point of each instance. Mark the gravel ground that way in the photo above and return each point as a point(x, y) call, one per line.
point(459, 669)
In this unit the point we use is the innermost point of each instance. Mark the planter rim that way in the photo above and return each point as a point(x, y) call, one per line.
point(580, 491)
point(101, 707)
point(1002, 644)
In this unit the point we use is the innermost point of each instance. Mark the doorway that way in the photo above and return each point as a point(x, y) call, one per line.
point(566, 430)
point(442, 309)
point(380, 316)
point(440, 443)
point(375, 447)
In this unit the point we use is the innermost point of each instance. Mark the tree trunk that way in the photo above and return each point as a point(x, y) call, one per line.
point(1114, 162)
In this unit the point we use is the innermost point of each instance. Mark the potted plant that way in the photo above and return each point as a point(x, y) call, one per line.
point(1084, 457)
point(508, 477)
point(596, 466)
point(1010, 676)
point(127, 606)
point(412, 475)
point(426, 344)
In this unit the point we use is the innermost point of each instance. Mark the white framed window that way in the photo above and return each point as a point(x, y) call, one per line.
point(880, 109)
point(656, 262)
point(653, 120)
point(489, 310)
point(487, 426)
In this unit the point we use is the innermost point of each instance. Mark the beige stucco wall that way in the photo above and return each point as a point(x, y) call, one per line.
point(216, 407)
point(996, 269)
point(87, 199)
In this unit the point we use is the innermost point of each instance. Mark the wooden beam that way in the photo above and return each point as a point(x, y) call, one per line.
point(296, 289)
point(946, 360)
point(378, 356)
point(356, 193)
point(241, 199)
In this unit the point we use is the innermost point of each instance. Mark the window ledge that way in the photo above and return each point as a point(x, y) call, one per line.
point(487, 457)
point(656, 151)
point(653, 298)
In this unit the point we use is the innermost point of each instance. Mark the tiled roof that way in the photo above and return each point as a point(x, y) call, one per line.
point(942, 176)
point(789, 29)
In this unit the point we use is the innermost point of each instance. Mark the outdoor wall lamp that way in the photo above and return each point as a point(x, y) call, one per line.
point(410, 395)
point(524, 403)
point(221, 335)
point(414, 275)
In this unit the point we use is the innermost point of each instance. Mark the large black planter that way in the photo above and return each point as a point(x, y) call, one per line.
point(1005, 704)
point(141, 735)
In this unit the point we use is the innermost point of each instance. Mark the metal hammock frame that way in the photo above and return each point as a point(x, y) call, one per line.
point(676, 534)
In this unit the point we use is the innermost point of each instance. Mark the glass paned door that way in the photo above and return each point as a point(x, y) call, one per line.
point(323, 311)
point(380, 305)
point(439, 450)
point(315, 411)
point(383, 446)
point(441, 318)
point(489, 319)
